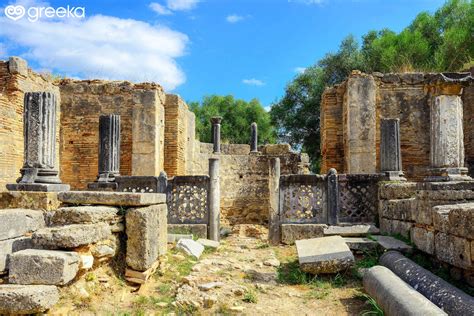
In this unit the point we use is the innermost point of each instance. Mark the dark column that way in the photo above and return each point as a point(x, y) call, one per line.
point(390, 152)
point(214, 199)
point(39, 172)
point(254, 138)
point(274, 227)
point(109, 153)
point(333, 196)
point(216, 130)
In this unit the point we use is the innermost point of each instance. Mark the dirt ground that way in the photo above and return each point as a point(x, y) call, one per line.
point(253, 279)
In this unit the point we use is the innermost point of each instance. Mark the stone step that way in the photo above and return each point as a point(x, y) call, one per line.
point(85, 215)
point(71, 236)
point(361, 244)
point(17, 222)
point(324, 255)
point(9, 246)
point(112, 198)
point(351, 230)
point(391, 243)
point(46, 267)
point(27, 299)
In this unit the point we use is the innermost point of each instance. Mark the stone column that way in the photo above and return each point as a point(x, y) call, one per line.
point(447, 145)
point(274, 229)
point(333, 196)
point(254, 138)
point(109, 153)
point(162, 182)
point(216, 133)
point(39, 172)
point(390, 152)
point(214, 199)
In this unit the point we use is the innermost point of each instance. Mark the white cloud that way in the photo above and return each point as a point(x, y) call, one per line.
point(253, 82)
point(3, 50)
point(234, 18)
point(160, 9)
point(102, 47)
point(181, 5)
point(299, 70)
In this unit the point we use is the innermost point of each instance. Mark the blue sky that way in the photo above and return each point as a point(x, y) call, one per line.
point(248, 48)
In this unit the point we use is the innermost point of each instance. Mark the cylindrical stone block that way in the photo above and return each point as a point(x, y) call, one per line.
point(395, 297)
point(332, 196)
point(109, 147)
point(253, 137)
point(216, 130)
point(39, 129)
point(390, 157)
point(214, 199)
point(444, 295)
point(274, 229)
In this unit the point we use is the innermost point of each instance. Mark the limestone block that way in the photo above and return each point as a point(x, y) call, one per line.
point(401, 209)
point(147, 235)
point(461, 220)
point(424, 212)
point(361, 244)
point(10, 246)
point(292, 232)
point(48, 267)
point(17, 66)
point(27, 299)
point(172, 238)
point(423, 239)
point(209, 243)
point(324, 255)
point(276, 149)
point(71, 236)
point(190, 247)
point(401, 227)
point(390, 243)
point(441, 219)
point(29, 200)
point(112, 198)
point(385, 226)
point(351, 231)
point(17, 222)
point(198, 230)
point(391, 191)
point(84, 215)
point(453, 250)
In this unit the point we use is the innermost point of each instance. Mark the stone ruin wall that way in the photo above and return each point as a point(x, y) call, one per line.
point(15, 80)
point(403, 96)
point(141, 107)
point(244, 178)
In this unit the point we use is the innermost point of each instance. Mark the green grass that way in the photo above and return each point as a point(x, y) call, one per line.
point(374, 310)
point(250, 297)
point(290, 273)
point(262, 246)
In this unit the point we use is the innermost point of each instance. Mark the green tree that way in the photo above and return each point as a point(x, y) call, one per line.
point(237, 115)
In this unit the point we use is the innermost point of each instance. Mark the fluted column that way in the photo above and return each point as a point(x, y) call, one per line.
point(390, 152)
point(39, 172)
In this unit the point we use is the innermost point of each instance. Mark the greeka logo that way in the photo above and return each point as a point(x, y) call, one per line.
point(16, 12)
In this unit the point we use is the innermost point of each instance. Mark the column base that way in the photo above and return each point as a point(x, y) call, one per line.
point(102, 186)
point(394, 176)
point(448, 174)
point(39, 175)
point(39, 187)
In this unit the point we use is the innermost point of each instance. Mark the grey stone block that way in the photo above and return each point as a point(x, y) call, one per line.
point(147, 235)
point(461, 219)
point(17, 222)
point(27, 299)
point(361, 244)
point(112, 198)
point(47, 267)
point(17, 66)
point(390, 243)
point(84, 215)
point(324, 255)
point(9, 246)
point(190, 247)
point(351, 231)
point(394, 296)
point(453, 250)
point(401, 209)
point(198, 230)
point(391, 191)
point(176, 237)
point(423, 239)
point(292, 232)
point(401, 227)
point(209, 243)
point(71, 236)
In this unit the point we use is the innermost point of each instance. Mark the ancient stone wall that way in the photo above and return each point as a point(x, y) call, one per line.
point(15, 80)
point(142, 127)
point(404, 96)
point(244, 178)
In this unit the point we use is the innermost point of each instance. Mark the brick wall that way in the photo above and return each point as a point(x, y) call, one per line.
point(141, 110)
point(13, 85)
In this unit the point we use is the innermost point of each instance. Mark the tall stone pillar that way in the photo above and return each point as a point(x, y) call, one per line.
point(254, 138)
point(390, 152)
point(109, 153)
point(332, 196)
point(39, 172)
point(216, 132)
point(447, 145)
point(274, 227)
point(214, 199)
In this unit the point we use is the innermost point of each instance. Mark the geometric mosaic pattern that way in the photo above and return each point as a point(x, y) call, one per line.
point(187, 199)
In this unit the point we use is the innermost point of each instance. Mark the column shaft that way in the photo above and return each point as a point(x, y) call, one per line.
point(214, 199)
